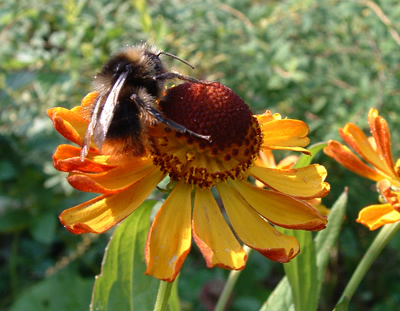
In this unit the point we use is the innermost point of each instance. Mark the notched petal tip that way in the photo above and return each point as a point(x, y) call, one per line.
point(279, 254)
point(77, 228)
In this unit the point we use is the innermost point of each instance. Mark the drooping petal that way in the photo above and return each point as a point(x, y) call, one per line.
point(266, 158)
point(306, 182)
point(114, 180)
point(285, 134)
point(169, 239)
point(288, 162)
point(357, 140)
point(213, 235)
point(68, 123)
point(67, 159)
point(380, 131)
point(279, 208)
point(375, 216)
point(349, 160)
point(255, 231)
point(102, 213)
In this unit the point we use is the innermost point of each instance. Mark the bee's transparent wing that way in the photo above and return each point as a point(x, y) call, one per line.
point(90, 129)
point(103, 123)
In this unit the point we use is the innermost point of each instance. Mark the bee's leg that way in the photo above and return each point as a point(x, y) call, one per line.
point(177, 127)
point(176, 75)
point(156, 114)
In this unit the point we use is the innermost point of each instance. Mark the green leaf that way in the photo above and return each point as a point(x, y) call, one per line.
point(326, 239)
point(122, 284)
point(302, 272)
point(281, 298)
point(62, 291)
point(343, 305)
point(305, 159)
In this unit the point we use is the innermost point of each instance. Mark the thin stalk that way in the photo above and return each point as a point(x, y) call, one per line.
point(164, 291)
point(229, 285)
point(383, 238)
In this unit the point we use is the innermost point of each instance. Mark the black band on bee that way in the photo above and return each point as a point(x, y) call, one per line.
point(130, 84)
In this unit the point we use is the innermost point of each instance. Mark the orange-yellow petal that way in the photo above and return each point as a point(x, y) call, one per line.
point(349, 160)
point(380, 131)
point(306, 182)
point(390, 196)
point(266, 158)
point(68, 123)
point(357, 140)
point(255, 231)
point(100, 214)
point(375, 216)
point(67, 159)
point(280, 209)
point(288, 162)
point(285, 134)
point(169, 239)
point(114, 180)
point(213, 235)
point(267, 116)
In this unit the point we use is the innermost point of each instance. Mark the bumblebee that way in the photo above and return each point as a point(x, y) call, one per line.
point(130, 84)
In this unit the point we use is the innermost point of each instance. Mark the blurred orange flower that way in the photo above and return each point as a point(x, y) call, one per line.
point(197, 166)
point(376, 151)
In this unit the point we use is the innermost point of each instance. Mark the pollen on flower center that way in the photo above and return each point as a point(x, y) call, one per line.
point(207, 109)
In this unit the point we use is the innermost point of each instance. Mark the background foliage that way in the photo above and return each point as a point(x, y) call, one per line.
point(325, 62)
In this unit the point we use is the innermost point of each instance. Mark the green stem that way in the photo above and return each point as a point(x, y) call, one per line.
point(374, 250)
point(228, 288)
point(164, 291)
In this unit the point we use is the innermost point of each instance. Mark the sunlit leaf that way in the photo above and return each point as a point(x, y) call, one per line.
point(122, 284)
point(305, 160)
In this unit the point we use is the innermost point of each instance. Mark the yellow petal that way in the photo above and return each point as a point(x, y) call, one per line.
point(102, 213)
point(67, 158)
point(266, 158)
point(213, 236)
point(285, 134)
point(288, 162)
point(267, 116)
point(113, 180)
point(306, 182)
point(254, 231)
point(375, 216)
point(279, 208)
point(170, 237)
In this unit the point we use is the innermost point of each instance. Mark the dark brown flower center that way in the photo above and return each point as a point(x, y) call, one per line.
point(207, 109)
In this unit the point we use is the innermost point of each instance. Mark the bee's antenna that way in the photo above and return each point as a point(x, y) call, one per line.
point(176, 57)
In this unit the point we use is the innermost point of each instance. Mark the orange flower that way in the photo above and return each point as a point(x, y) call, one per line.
point(376, 151)
point(197, 166)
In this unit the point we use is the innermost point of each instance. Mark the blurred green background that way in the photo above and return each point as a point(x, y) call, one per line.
point(325, 62)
